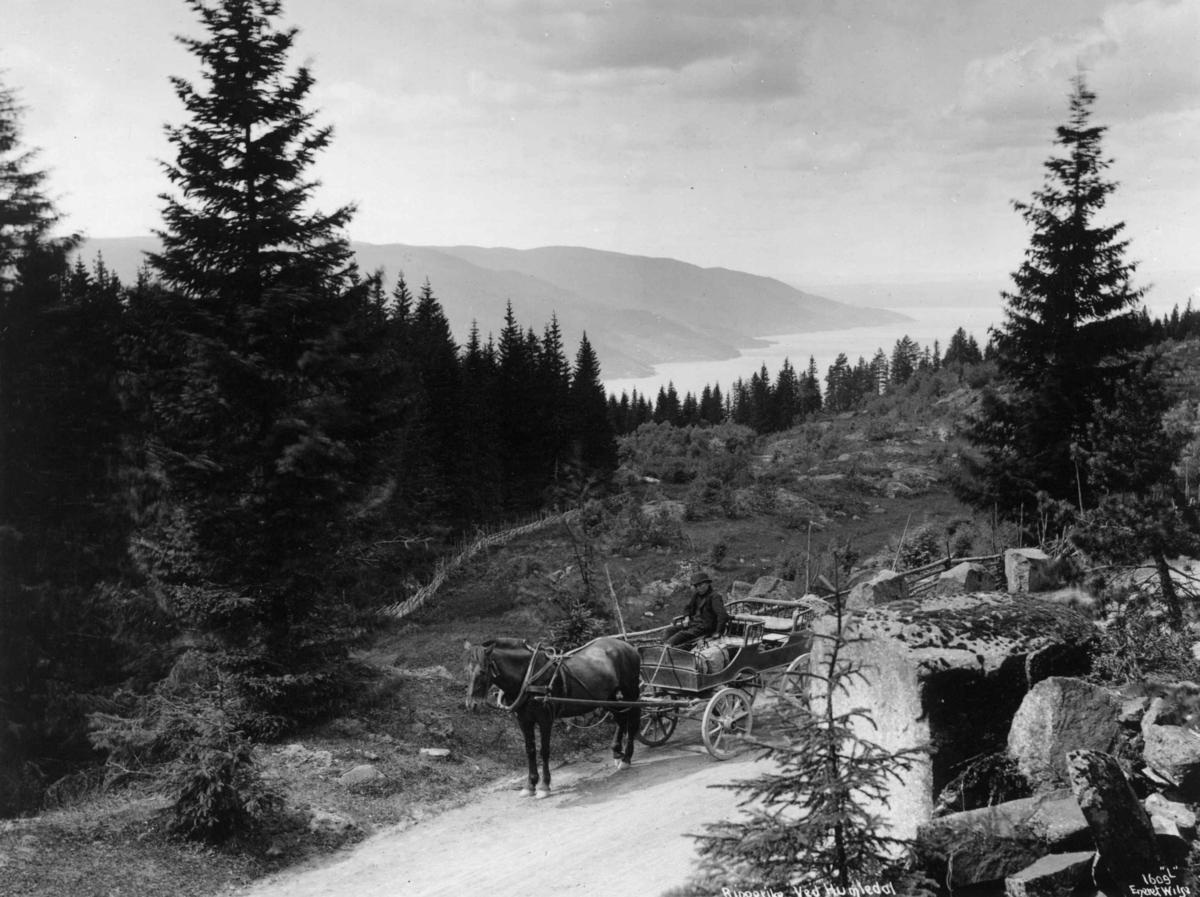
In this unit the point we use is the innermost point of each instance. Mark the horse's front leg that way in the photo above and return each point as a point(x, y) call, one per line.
point(545, 721)
point(526, 725)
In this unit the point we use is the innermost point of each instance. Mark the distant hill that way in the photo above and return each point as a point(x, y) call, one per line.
point(637, 311)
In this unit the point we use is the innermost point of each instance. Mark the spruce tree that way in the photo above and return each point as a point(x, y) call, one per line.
point(266, 415)
point(62, 525)
point(594, 436)
point(1067, 337)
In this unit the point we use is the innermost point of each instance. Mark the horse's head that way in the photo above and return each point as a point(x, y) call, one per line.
point(478, 667)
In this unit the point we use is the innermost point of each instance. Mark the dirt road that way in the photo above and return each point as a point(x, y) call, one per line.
point(601, 832)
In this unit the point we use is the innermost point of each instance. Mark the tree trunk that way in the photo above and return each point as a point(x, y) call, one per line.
point(1170, 596)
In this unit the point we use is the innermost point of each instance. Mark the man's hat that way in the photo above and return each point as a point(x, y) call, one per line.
point(700, 577)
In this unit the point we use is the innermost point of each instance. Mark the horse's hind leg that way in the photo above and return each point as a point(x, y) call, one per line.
point(530, 754)
point(627, 724)
point(544, 723)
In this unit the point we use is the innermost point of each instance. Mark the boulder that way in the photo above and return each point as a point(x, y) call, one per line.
point(774, 588)
point(739, 590)
point(949, 671)
point(361, 775)
point(1052, 875)
point(1121, 828)
point(1027, 570)
point(884, 586)
point(963, 579)
point(1170, 749)
point(1061, 714)
point(1180, 814)
point(322, 821)
point(1002, 840)
point(1172, 846)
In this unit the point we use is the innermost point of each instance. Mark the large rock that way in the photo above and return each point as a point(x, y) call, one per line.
point(964, 578)
point(995, 842)
point(775, 589)
point(948, 672)
point(1051, 876)
point(1027, 570)
point(881, 588)
point(1059, 715)
point(1180, 814)
point(1121, 829)
point(1170, 749)
point(361, 775)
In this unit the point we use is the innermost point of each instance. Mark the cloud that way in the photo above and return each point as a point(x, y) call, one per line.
point(747, 50)
point(1140, 58)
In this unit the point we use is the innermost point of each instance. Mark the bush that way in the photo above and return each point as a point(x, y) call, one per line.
point(1140, 643)
point(637, 528)
point(578, 628)
point(922, 546)
point(189, 736)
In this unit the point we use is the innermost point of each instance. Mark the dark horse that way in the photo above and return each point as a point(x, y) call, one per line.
point(606, 669)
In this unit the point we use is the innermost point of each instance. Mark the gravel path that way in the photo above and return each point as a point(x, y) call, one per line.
point(601, 832)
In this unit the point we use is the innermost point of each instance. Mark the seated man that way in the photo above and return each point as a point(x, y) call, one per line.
point(704, 615)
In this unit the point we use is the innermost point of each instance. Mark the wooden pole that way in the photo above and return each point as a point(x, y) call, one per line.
point(616, 603)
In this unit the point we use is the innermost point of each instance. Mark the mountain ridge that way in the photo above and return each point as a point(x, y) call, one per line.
point(637, 311)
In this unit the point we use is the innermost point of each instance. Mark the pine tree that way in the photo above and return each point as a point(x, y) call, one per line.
point(1067, 338)
point(264, 413)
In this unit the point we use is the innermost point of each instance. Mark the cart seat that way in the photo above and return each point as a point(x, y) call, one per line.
point(770, 624)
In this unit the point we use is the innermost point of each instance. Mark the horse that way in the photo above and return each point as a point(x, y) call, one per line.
point(605, 669)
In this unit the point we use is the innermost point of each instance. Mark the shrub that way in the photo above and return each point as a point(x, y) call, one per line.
point(637, 528)
point(189, 736)
point(922, 546)
point(578, 628)
point(1140, 643)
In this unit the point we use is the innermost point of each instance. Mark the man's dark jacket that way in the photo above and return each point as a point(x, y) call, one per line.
point(706, 613)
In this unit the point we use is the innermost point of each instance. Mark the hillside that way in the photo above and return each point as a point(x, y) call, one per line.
point(637, 311)
point(859, 480)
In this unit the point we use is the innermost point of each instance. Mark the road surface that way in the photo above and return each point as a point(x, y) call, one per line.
point(601, 832)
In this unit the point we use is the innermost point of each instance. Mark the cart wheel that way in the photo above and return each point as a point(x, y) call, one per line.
point(657, 726)
point(726, 718)
point(793, 681)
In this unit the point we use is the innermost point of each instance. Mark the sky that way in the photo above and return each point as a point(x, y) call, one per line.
point(817, 141)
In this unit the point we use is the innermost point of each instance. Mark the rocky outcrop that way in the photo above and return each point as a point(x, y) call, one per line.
point(881, 588)
point(1027, 570)
point(992, 843)
point(963, 579)
point(1170, 749)
point(1121, 829)
point(1051, 876)
point(1060, 715)
point(775, 589)
point(949, 671)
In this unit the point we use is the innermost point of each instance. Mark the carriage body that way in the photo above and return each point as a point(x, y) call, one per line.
point(766, 643)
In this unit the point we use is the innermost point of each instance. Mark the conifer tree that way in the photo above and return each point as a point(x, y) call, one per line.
point(597, 446)
point(262, 418)
point(1067, 338)
point(62, 522)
